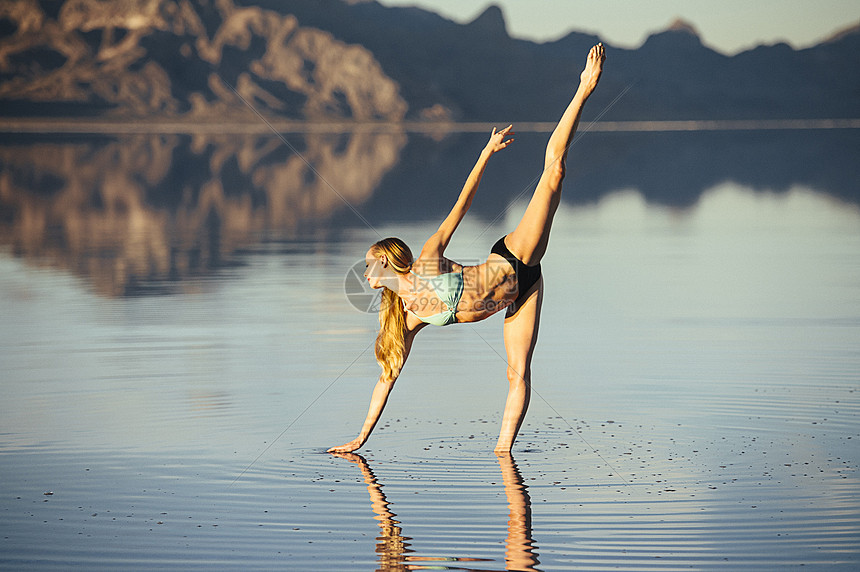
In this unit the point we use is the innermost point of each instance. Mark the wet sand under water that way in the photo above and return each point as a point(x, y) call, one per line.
point(695, 406)
point(662, 497)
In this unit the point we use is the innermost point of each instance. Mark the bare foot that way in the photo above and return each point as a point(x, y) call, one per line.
point(593, 68)
point(503, 448)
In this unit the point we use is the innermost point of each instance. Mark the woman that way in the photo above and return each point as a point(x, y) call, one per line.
point(434, 290)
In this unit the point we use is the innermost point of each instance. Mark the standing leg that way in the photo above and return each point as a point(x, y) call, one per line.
point(521, 329)
point(529, 240)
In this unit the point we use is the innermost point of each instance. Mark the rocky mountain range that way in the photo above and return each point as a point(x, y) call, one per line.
point(320, 60)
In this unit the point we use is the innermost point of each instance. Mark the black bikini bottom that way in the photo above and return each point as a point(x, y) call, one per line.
point(526, 276)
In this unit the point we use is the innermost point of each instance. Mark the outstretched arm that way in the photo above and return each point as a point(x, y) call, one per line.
point(439, 241)
point(377, 401)
point(377, 404)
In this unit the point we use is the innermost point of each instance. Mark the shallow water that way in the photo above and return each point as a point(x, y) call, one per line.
point(695, 403)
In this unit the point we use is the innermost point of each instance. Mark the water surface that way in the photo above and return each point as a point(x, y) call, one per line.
point(173, 372)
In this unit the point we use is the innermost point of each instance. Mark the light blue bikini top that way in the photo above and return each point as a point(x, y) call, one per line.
point(449, 289)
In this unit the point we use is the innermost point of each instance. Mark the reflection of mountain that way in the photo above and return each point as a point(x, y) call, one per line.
point(667, 168)
point(127, 211)
point(133, 210)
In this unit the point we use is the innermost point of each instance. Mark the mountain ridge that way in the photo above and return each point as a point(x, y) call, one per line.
point(362, 61)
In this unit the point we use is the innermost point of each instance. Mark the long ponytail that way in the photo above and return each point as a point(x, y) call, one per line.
point(390, 342)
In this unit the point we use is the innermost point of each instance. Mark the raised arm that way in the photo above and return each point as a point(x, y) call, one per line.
point(378, 400)
point(437, 243)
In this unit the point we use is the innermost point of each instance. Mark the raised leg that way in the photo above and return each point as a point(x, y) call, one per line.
point(529, 239)
point(521, 329)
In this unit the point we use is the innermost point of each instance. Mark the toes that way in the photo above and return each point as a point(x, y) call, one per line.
point(599, 52)
point(596, 52)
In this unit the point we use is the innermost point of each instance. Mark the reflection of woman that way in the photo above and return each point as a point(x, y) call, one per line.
point(519, 551)
point(435, 290)
point(393, 548)
point(391, 544)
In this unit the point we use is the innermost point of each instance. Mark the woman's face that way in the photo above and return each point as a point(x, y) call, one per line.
point(374, 270)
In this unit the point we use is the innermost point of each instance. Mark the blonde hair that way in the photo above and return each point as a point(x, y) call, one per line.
point(390, 343)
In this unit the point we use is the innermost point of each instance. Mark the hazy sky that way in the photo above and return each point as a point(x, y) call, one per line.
point(728, 26)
